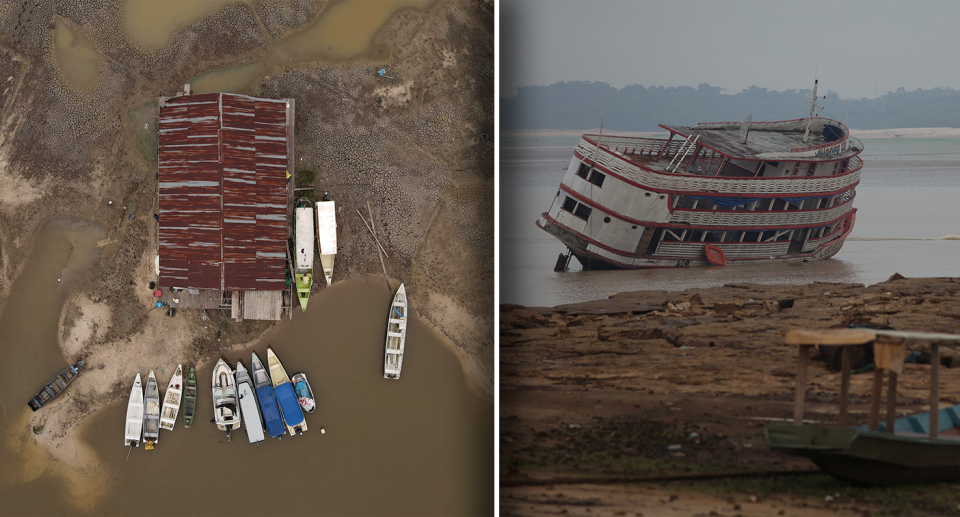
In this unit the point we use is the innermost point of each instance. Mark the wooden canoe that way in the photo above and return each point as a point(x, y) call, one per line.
point(189, 398)
point(171, 400)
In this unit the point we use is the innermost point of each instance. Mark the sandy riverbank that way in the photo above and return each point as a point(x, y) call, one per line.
point(600, 389)
point(409, 145)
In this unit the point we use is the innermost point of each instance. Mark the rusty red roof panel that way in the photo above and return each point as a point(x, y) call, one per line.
point(223, 165)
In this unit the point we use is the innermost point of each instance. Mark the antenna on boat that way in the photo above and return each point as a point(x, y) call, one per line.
point(813, 106)
point(599, 138)
point(745, 127)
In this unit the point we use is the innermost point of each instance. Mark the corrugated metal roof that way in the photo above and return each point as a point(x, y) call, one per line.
point(223, 164)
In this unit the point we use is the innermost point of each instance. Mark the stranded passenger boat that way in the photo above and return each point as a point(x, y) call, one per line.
point(226, 414)
point(920, 448)
point(55, 386)
point(757, 191)
point(286, 396)
point(134, 423)
point(151, 416)
point(303, 256)
point(171, 400)
point(190, 398)
point(268, 400)
point(327, 237)
point(396, 335)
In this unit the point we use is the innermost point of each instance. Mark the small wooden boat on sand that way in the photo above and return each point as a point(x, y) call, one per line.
point(226, 413)
point(171, 400)
point(189, 398)
point(249, 409)
point(286, 396)
point(920, 448)
point(134, 423)
point(396, 335)
point(304, 393)
point(55, 386)
point(151, 412)
point(267, 399)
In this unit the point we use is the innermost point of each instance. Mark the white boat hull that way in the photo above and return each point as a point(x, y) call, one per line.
point(396, 335)
point(134, 422)
point(171, 400)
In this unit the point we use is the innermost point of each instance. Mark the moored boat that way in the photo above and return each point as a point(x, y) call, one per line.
point(151, 412)
point(189, 398)
point(55, 386)
point(133, 426)
point(171, 400)
point(267, 399)
point(303, 251)
point(919, 448)
point(249, 409)
point(226, 413)
point(327, 237)
point(286, 396)
point(304, 392)
point(396, 335)
point(759, 191)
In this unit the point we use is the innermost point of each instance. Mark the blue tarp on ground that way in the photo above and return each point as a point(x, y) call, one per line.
point(271, 413)
point(289, 406)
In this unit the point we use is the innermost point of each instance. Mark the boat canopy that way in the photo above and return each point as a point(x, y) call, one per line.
point(327, 227)
point(289, 405)
point(304, 238)
point(271, 414)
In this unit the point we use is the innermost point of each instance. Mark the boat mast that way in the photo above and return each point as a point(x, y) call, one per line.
point(813, 106)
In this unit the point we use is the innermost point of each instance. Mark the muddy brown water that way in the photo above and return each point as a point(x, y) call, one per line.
point(77, 58)
point(422, 445)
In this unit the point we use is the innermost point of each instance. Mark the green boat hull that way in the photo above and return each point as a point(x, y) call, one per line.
point(304, 282)
point(870, 457)
point(190, 398)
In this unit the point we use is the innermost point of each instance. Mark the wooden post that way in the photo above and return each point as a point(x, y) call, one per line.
point(875, 400)
point(844, 384)
point(934, 390)
point(802, 359)
point(891, 400)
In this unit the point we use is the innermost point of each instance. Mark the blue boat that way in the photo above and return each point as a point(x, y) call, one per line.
point(268, 401)
point(286, 396)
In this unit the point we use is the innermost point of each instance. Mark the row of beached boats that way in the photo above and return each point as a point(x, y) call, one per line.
point(326, 233)
point(264, 402)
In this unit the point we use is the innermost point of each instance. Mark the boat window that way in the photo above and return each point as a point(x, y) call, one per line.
point(583, 211)
point(606, 219)
point(597, 177)
point(583, 170)
point(569, 204)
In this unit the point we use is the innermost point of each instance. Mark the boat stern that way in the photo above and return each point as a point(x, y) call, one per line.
point(304, 284)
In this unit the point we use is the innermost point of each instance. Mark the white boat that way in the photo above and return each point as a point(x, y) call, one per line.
point(327, 237)
point(249, 408)
point(286, 396)
point(303, 256)
point(396, 335)
point(226, 413)
point(134, 424)
point(151, 412)
point(171, 400)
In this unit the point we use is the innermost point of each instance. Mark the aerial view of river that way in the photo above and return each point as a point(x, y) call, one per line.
point(419, 446)
point(907, 223)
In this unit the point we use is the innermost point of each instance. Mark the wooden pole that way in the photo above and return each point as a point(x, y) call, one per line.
point(934, 390)
point(891, 400)
point(802, 358)
point(372, 233)
point(875, 399)
point(373, 229)
point(844, 384)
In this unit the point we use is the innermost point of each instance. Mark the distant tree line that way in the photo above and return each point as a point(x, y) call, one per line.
point(581, 105)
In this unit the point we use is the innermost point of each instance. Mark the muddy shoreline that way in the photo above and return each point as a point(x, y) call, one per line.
point(602, 388)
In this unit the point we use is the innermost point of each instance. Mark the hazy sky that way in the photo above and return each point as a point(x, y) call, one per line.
point(852, 46)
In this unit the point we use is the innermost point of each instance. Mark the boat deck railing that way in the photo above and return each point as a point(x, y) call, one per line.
point(889, 351)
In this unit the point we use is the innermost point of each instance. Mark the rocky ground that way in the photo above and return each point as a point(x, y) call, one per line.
point(418, 148)
point(597, 397)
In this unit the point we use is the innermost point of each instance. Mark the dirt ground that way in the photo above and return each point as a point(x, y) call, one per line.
point(418, 148)
point(665, 392)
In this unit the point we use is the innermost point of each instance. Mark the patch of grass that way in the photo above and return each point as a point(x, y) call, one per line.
point(306, 178)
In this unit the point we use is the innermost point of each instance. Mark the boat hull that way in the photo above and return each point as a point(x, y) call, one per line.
point(593, 256)
point(133, 425)
point(870, 457)
point(267, 399)
point(286, 396)
point(303, 251)
point(171, 400)
point(56, 386)
point(396, 335)
point(226, 413)
point(249, 408)
point(304, 392)
point(190, 398)
point(151, 412)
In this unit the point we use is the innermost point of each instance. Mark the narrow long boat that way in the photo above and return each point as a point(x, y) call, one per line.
point(190, 398)
point(249, 409)
point(396, 335)
point(151, 412)
point(327, 237)
point(226, 413)
point(303, 251)
point(267, 399)
point(171, 400)
point(134, 423)
point(55, 386)
point(304, 392)
point(286, 396)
